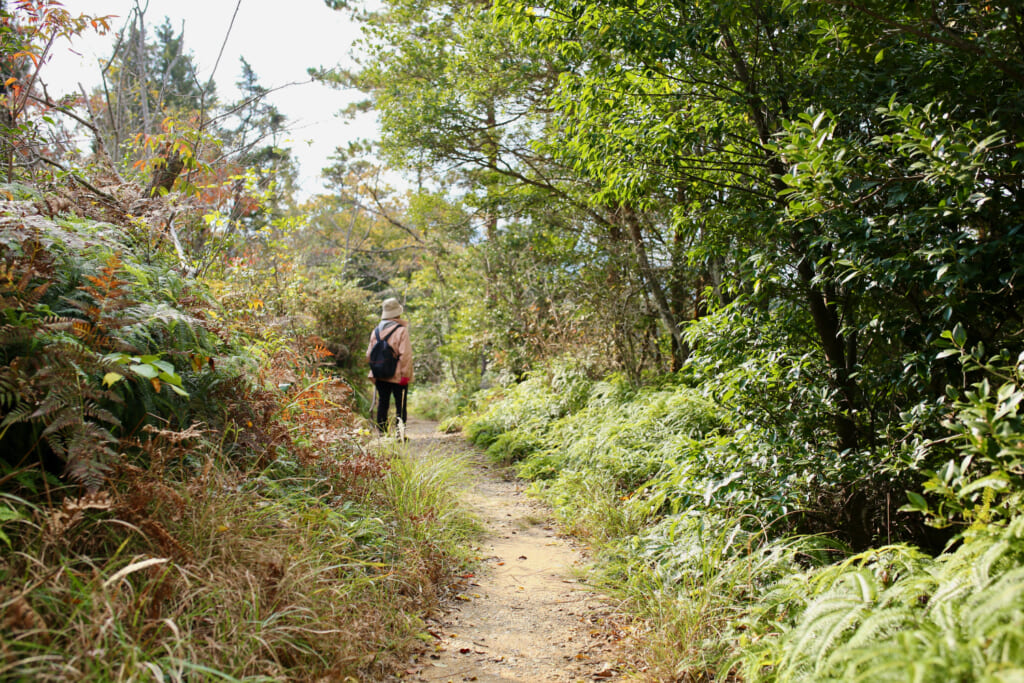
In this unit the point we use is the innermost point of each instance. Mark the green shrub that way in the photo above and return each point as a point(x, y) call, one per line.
point(437, 401)
point(974, 477)
point(896, 614)
point(545, 395)
point(623, 433)
point(514, 446)
point(343, 318)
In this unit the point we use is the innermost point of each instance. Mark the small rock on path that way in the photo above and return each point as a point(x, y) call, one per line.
point(524, 617)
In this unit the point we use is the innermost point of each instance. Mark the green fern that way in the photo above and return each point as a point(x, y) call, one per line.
point(895, 615)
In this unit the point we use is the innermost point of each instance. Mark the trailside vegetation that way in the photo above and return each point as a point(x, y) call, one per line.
point(741, 281)
point(188, 499)
point(187, 489)
point(725, 543)
point(735, 284)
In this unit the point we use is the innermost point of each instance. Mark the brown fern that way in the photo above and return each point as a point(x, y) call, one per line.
point(64, 518)
point(149, 498)
point(49, 379)
point(104, 309)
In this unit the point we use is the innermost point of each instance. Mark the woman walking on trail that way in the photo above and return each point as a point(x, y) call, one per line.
point(390, 363)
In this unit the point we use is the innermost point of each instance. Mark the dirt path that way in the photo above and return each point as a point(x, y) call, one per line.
point(525, 616)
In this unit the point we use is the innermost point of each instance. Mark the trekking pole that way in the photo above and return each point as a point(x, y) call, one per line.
point(373, 403)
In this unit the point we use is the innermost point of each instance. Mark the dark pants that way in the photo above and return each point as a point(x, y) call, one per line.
point(385, 390)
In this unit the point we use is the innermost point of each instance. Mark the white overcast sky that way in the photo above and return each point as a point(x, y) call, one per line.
point(280, 40)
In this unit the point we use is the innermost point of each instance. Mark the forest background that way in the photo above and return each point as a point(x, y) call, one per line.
point(735, 283)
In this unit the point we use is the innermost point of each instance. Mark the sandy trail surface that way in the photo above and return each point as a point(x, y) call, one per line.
point(526, 614)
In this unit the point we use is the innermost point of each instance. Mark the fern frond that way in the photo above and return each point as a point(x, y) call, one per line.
point(38, 292)
point(88, 450)
point(65, 417)
point(67, 353)
point(11, 386)
point(820, 626)
point(906, 657)
point(997, 604)
point(148, 313)
point(1015, 529)
point(20, 413)
point(955, 586)
point(882, 624)
point(11, 335)
point(91, 409)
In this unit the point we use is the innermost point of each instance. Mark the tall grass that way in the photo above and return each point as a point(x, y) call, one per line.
point(287, 575)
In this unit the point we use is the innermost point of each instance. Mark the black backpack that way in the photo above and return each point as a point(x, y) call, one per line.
point(383, 359)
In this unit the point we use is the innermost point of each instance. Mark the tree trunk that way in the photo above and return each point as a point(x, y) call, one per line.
point(164, 174)
point(142, 75)
point(680, 350)
point(826, 324)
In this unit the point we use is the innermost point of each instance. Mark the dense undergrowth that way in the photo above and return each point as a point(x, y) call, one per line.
point(716, 534)
point(185, 492)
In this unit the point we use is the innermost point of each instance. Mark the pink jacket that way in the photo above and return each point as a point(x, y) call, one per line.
point(399, 341)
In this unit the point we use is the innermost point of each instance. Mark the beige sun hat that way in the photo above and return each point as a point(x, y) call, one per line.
point(391, 309)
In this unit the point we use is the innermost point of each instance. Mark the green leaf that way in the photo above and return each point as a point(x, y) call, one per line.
point(147, 371)
point(995, 481)
point(171, 378)
point(917, 502)
point(163, 365)
point(959, 335)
